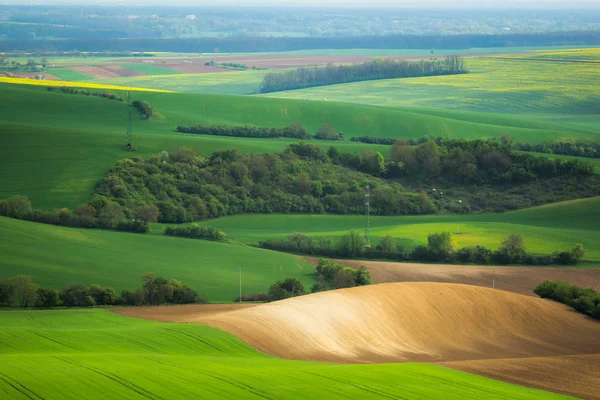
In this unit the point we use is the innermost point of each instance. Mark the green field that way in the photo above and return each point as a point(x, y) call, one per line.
point(105, 355)
point(230, 82)
point(545, 229)
point(67, 74)
point(66, 256)
point(518, 86)
point(55, 157)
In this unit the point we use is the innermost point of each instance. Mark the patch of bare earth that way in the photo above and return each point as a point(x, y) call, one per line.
point(185, 313)
point(576, 375)
point(513, 279)
point(106, 72)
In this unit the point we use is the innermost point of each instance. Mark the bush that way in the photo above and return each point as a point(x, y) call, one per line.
point(585, 301)
point(135, 226)
point(144, 108)
point(254, 297)
point(48, 298)
point(196, 231)
point(15, 207)
point(290, 287)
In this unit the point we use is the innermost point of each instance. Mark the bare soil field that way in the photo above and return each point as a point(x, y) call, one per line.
point(184, 313)
point(424, 322)
point(105, 72)
point(571, 375)
point(513, 279)
point(494, 333)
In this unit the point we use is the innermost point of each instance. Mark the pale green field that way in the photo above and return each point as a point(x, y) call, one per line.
point(545, 229)
point(522, 86)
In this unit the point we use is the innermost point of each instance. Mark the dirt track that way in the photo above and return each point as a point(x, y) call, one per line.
point(179, 313)
point(513, 279)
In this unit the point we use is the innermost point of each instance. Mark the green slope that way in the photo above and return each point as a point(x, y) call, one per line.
point(494, 84)
point(545, 229)
point(75, 354)
point(54, 147)
point(56, 257)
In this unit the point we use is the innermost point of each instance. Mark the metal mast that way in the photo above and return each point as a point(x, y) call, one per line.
point(368, 217)
point(129, 138)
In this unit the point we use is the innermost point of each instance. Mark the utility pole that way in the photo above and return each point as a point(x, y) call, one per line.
point(368, 217)
point(240, 268)
point(494, 279)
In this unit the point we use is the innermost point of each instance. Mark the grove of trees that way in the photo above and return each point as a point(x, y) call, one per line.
point(586, 301)
point(440, 247)
point(21, 292)
point(375, 69)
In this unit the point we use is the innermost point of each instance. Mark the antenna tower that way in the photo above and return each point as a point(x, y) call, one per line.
point(129, 138)
point(368, 217)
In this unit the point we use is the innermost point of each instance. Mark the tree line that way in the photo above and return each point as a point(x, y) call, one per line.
point(98, 213)
point(21, 292)
point(295, 130)
point(143, 108)
point(247, 44)
point(567, 147)
point(441, 247)
point(69, 90)
point(585, 301)
point(306, 77)
point(195, 231)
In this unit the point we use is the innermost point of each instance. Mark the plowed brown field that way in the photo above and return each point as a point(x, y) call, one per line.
point(513, 279)
point(105, 72)
point(502, 335)
point(571, 375)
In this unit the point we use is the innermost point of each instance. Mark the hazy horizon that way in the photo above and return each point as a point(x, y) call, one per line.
point(412, 4)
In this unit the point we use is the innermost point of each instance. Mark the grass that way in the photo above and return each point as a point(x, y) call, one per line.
point(65, 256)
point(96, 354)
point(545, 229)
point(67, 74)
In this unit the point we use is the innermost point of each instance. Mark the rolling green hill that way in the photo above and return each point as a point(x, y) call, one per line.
point(557, 226)
point(64, 256)
point(517, 86)
point(106, 355)
point(54, 147)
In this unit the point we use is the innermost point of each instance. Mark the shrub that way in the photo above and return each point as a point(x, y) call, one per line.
point(254, 297)
point(195, 231)
point(585, 301)
point(135, 226)
point(290, 287)
point(15, 207)
point(144, 108)
point(48, 298)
